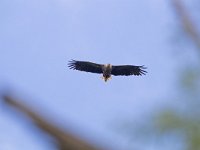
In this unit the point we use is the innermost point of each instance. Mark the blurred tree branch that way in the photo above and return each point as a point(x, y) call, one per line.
point(187, 22)
point(179, 123)
point(64, 140)
point(185, 121)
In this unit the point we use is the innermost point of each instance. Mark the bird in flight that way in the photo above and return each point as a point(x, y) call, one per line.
point(107, 69)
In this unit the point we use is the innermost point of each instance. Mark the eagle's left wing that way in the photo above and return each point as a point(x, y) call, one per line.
point(127, 70)
point(85, 66)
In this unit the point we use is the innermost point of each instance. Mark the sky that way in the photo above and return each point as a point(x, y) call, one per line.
point(38, 38)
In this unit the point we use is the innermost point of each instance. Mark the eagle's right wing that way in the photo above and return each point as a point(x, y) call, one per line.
point(127, 70)
point(85, 66)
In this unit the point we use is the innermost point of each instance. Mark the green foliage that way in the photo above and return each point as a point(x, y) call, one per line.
point(187, 127)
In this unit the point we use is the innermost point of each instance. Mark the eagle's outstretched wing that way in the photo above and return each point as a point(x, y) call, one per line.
point(85, 66)
point(127, 70)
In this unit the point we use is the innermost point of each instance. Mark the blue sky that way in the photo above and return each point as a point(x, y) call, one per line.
point(39, 37)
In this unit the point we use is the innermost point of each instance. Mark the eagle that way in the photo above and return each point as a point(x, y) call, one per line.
point(107, 69)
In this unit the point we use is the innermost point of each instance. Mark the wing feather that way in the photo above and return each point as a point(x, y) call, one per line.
point(85, 66)
point(127, 70)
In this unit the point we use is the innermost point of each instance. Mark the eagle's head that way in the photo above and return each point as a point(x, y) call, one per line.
point(108, 65)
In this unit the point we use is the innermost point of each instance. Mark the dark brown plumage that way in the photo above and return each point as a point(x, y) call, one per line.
point(107, 70)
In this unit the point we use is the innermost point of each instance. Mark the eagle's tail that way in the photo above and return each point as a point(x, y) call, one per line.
point(105, 78)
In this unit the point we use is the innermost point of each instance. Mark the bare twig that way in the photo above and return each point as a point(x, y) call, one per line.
point(187, 22)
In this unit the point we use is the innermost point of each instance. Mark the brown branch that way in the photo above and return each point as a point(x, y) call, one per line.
point(64, 140)
point(187, 22)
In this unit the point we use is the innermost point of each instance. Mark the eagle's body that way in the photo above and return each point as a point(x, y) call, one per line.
point(107, 69)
